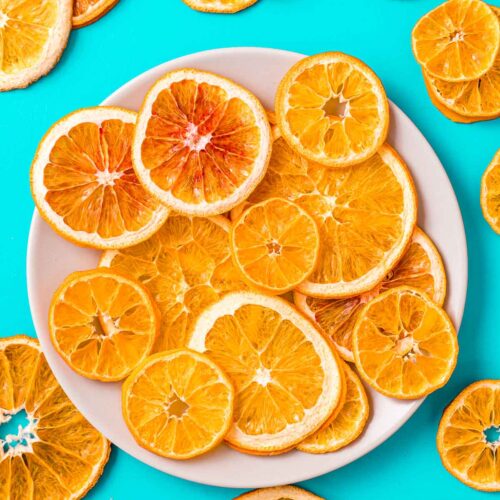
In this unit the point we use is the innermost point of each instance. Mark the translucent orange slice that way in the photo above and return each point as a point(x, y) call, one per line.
point(56, 454)
point(178, 404)
point(33, 35)
point(366, 215)
point(348, 423)
point(86, 12)
point(467, 438)
point(202, 142)
point(332, 108)
point(220, 6)
point(421, 267)
point(186, 266)
point(275, 245)
point(84, 185)
point(457, 41)
point(287, 377)
point(102, 323)
point(404, 345)
point(490, 193)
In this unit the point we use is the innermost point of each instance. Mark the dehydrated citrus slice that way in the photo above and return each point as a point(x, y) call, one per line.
point(202, 142)
point(347, 425)
point(86, 12)
point(33, 35)
point(421, 267)
point(56, 453)
point(102, 323)
point(275, 245)
point(186, 266)
point(84, 185)
point(178, 404)
point(332, 109)
point(365, 214)
point(457, 41)
point(404, 345)
point(468, 436)
point(287, 377)
point(279, 493)
point(219, 6)
point(490, 193)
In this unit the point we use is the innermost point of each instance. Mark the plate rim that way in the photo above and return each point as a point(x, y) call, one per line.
point(37, 222)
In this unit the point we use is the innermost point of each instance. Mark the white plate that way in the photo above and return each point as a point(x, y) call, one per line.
point(51, 259)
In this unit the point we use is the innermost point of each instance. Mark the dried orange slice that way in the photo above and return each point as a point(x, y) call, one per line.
point(404, 345)
point(84, 185)
point(490, 193)
point(332, 108)
point(366, 215)
point(56, 453)
point(219, 6)
point(468, 436)
point(421, 267)
point(457, 41)
point(33, 35)
point(178, 404)
point(86, 12)
point(279, 493)
point(287, 377)
point(349, 422)
point(202, 142)
point(186, 266)
point(102, 323)
point(275, 245)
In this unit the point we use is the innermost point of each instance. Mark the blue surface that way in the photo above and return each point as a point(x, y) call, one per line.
point(137, 35)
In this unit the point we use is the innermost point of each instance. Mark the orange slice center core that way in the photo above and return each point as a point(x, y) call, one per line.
point(457, 36)
point(492, 436)
point(336, 108)
point(17, 432)
point(3, 19)
point(262, 376)
point(273, 247)
point(194, 140)
point(176, 407)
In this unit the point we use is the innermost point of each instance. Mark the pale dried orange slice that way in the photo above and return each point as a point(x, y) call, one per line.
point(468, 438)
point(86, 12)
point(490, 193)
point(186, 266)
point(219, 6)
point(332, 108)
point(55, 452)
point(366, 215)
point(202, 142)
point(421, 267)
point(102, 323)
point(348, 423)
point(33, 35)
point(84, 185)
point(405, 346)
point(457, 41)
point(275, 245)
point(287, 376)
point(279, 493)
point(178, 404)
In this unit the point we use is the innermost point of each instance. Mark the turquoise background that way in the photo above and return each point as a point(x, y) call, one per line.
point(138, 35)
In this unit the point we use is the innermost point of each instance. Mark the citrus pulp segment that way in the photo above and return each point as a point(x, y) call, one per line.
point(287, 376)
point(465, 448)
point(421, 267)
point(102, 323)
point(33, 35)
point(178, 404)
point(220, 6)
point(202, 142)
point(84, 185)
point(490, 193)
point(332, 108)
point(186, 266)
point(457, 41)
point(57, 454)
point(86, 12)
point(275, 245)
point(404, 345)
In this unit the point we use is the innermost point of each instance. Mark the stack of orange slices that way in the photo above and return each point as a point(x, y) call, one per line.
point(457, 45)
point(208, 207)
